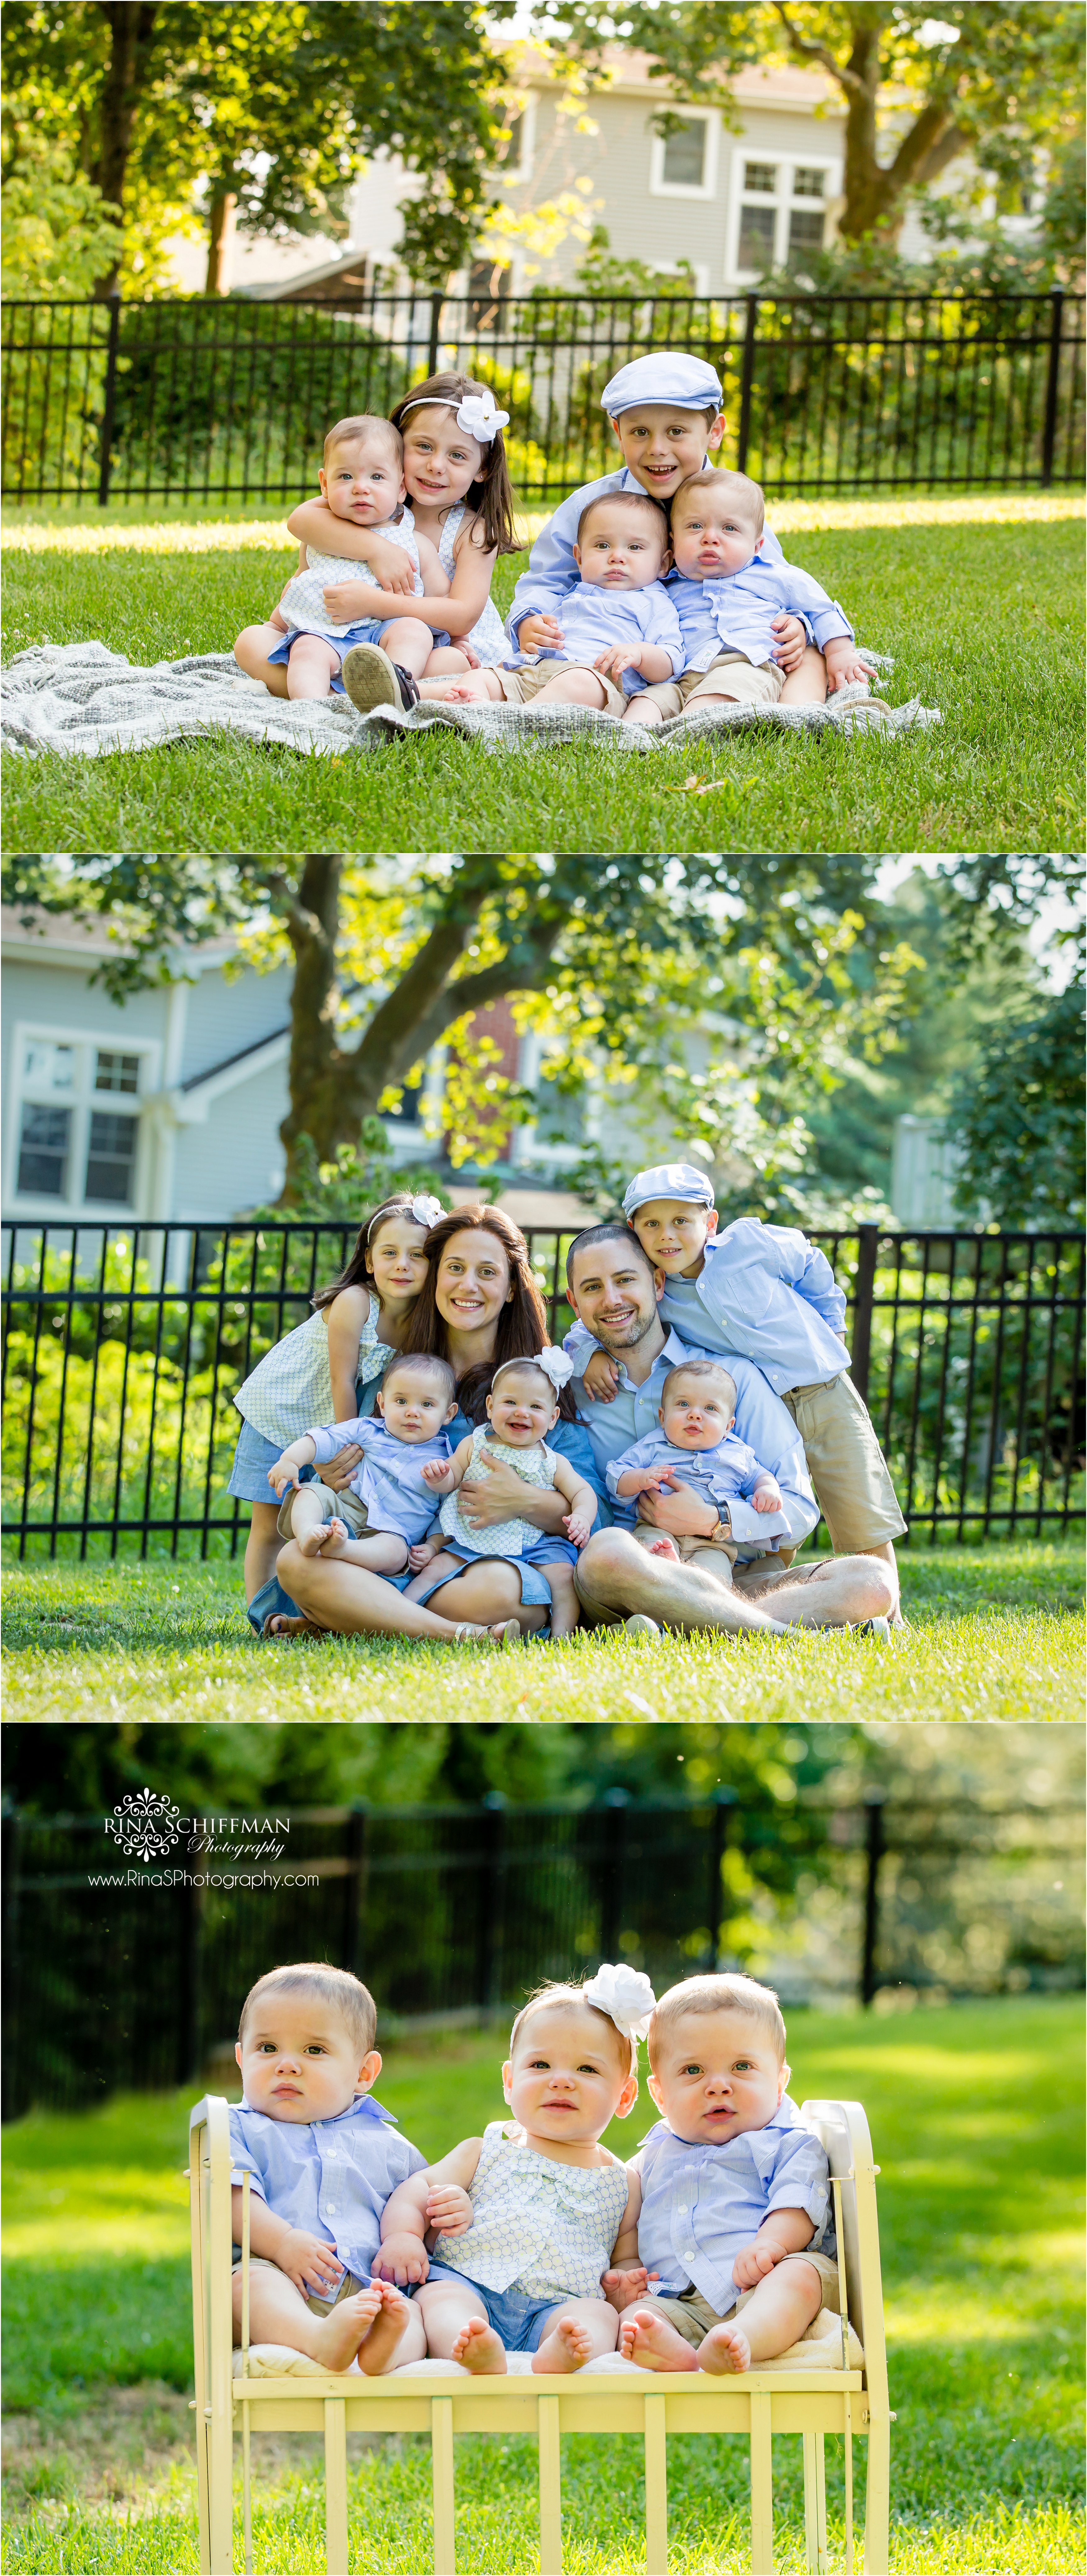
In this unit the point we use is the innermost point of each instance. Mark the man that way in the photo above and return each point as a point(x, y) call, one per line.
point(615, 1291)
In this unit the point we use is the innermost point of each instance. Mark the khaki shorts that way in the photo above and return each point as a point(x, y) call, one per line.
point(520, 687)
point(754, 684)
point(344, 1507)
point(693, 2317)
point(846, 1465)
point(320, 2307)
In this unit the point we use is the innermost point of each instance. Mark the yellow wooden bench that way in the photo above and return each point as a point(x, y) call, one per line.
point(438, 2399)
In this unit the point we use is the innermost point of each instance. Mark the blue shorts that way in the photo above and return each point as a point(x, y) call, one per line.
point(535, 1588)
point(252, 1459)
point(521, 2323)
point(368, 630)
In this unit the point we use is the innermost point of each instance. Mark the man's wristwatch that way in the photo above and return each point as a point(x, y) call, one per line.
point(723, 1532)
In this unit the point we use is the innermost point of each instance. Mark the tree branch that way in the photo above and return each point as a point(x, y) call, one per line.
point(807, 50)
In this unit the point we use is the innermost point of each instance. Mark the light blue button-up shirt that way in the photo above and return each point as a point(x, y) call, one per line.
point(736, 614)
point(552, 572)
point(766, 1291)
point(702, 2204)
point(594, 617)
point(727, 1473)
point(761, 1421)
point(389, 1479)
point(332, 2177)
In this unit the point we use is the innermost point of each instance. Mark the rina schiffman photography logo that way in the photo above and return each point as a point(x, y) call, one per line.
point(146, 1825)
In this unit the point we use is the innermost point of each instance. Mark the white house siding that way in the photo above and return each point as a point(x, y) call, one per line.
point(233, 1158)
point(222, 1018)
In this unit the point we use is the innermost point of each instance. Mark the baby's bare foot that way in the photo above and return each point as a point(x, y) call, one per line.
point(664, 1546)
point(649, 2339)
point(378, 2346)
point(725, 2348)
point(569, 2347)
point(278, 1625)
point(478, 2347)
point(337, 2337)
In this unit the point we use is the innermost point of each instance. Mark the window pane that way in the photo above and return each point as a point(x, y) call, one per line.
point(43, 1151)
point(488, 288)
point(117, 1072)
point(512, 154)
point(757, 238)
point(808, 183)
point(111, 1157)
point(50, 1066)
point(685, 154)
point(805, 233)
point(761, 178)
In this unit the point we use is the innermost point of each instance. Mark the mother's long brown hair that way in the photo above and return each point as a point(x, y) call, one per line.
point(522, 1324)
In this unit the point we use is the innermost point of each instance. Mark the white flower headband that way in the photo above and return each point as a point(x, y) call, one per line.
point(424, 1211)
point(554, 1364)
point(476, 415)
point(627, 1997)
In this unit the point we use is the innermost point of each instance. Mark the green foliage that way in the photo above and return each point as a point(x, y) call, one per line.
point(602, 272)
point(1018, 1116)
point(358, 1177)
point(59, 234)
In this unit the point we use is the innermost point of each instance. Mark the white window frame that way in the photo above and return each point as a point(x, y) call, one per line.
point(508, 174)
point(88, 1044)
point(786, 163)
point(659, 186)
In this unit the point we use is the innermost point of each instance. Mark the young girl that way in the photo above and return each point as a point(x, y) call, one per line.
point(458, 486)
point(522, 1408)
point(311, 1376)
point(530, 2215)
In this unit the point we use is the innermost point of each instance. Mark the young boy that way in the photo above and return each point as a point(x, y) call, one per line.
point(618, 627)
point(726, 2227)
point(764, 1291)
point(388, 1506)
point(695, 1446)
point(665, 410)
point(730, 593)
point(324, 2158)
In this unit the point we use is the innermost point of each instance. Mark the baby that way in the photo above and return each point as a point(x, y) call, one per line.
point(324, 2158)
point(388, 1503)
point(546, 2208)
point(316, 624)
point(695, 1446)
point(522, 1408)
point(618, 626)
point(730, 596)
point(725, 2228)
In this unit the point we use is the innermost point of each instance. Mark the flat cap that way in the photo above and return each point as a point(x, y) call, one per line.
point(668, 1181)
point(666, 376)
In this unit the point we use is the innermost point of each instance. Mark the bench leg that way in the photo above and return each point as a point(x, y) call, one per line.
point(815, 2503)
point(656, 2488)
point(762, 2487)
point(550, 2487)
point(441, 2465)
point(877, 2511)
point(336, 2486)
point(220, 2470)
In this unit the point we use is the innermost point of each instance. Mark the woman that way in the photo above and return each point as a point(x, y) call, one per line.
point(479, 1305)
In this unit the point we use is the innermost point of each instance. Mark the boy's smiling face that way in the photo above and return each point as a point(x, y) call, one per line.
point(662, 446)
point(298, 2059)
point(717, 2074)
point(674, 1234)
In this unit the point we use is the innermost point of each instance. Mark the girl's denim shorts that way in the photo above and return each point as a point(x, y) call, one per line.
point(365, 631)
point(252, 1459)
point(520, 2323)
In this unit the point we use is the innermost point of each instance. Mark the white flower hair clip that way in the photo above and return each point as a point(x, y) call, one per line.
point(479, 418)
point(554, 1364)
point(427, 1211)
point(627, 1997)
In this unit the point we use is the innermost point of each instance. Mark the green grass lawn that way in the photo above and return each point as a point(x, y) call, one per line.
point(975, 2115)
point(984, 622)
point(994, 1632)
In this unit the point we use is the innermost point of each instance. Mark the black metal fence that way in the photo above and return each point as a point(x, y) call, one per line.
point(123, 1349)
point(123, 1974)
point(192, 399)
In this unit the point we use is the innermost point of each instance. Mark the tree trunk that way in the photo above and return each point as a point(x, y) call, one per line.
point(220, 229)
point(874, 194)
point(131, 31)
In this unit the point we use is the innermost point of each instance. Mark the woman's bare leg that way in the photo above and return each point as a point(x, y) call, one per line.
point(489, 1592)
point(346, 1601)
point(262, 1547)
point(807, 685)
point(251, 654)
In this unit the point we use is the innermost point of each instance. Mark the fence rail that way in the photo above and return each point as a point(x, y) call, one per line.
point(461, 1910)
point(123, 1349)
point(191, 399)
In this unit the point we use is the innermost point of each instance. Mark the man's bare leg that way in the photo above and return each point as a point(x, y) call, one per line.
point(626, 1578)
point(834, 1592)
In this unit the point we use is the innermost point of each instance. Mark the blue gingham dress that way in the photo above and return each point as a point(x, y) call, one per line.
point(303, 601)
point(291, 1387)
point(540, 2228)
point(506, 1538)
point(488, 635)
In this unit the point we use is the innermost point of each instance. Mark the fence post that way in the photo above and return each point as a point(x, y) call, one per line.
point(11, 2106)
point(105, 453)
point(616, 1802)
point(723, 1801)
point(436, 302)
point(355, 1886)
point(861, 1340)
point(747, 375)
point(492, 1923)
point(1052, 389)
point(190, 2035)
point(873, 1855)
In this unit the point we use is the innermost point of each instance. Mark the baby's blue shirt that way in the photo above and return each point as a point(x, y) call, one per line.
point(551, 570)
point(593, 618)
point(332, 2177)
point(702, 2204)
